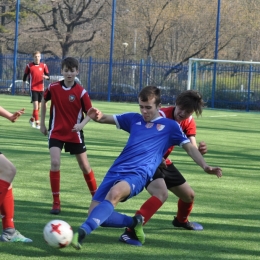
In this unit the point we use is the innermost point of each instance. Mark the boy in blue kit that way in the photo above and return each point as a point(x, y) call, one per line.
point(150, 137)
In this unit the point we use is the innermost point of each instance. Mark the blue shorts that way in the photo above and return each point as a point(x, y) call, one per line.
point(136, 182)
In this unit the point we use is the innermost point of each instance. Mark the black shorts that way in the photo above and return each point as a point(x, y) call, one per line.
point(72, 148)
point(36, 96)
point(171, 175)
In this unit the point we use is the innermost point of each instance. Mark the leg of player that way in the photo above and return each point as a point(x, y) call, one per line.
point(185, 204)
point(158, 190)
point(88, 173)
point(99, 213)
point(7, 173)
point(10, 234)
point(35, 112)
point(55, 179)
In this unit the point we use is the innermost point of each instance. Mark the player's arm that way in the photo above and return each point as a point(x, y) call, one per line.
point(99, 117)
point(12, 117)
point(43, 128)
point(46, 76)
point(24, 80)
point(78, 127)
point(202, 145)
point(194, 153)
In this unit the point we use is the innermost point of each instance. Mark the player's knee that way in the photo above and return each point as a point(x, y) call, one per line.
point(55, 165)
point(114, 196)
point(162, 195)
point(189, 197)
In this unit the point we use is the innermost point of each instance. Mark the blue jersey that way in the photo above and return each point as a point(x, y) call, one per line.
point(147, 143)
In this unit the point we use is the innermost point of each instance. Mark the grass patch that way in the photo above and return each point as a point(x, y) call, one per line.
point(227, 207)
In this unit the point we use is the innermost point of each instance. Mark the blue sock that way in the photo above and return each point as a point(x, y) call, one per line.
point(97, 216)
point(118, 220)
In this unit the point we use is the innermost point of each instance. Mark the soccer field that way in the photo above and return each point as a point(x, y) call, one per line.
point(228, 208)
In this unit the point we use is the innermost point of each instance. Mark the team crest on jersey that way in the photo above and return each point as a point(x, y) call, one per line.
point(40, 68)
point(71, 98)
point(149, 125)
point(160, 127)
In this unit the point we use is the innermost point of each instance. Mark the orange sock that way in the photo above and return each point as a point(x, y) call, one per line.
point(55, 186)
point(184, 210)
point(149, 208)
point(4, 185)
point(7, 210)
point(91, 182)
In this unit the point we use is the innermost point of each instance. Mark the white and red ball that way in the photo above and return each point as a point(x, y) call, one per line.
point(58, 233)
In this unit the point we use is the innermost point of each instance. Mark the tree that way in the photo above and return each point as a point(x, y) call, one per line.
point(59, 28)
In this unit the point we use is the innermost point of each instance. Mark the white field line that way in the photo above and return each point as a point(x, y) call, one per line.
point(221, 116)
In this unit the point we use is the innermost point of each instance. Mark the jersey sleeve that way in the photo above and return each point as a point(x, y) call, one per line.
point(27, 70)
point(124, 121)
point(46, 70)
point(189, 126)
point(177, 135)
point(86, 101)
point(47, 94)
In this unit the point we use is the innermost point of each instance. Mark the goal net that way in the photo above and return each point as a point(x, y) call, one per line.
point(226, 84)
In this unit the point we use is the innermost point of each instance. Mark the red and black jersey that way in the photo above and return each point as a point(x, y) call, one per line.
point(188, 126)
point(36, 72)
point(68, 106)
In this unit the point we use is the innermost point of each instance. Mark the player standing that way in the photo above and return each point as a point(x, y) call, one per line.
point(37, 72)
point(69, 102)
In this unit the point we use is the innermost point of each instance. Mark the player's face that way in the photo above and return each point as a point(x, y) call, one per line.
point(69, 74)
point(37, 58)
point(149, 110)
point(181, 114)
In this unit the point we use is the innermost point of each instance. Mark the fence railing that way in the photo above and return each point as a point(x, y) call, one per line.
point(129, 77)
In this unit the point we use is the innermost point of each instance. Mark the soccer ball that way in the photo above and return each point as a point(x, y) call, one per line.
point(58, 233)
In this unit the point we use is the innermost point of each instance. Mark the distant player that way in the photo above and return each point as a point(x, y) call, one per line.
point(150, 136)
point(37, 72)
point(69, 105)
point(7, 174)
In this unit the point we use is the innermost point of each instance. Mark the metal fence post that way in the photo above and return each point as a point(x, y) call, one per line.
point(248, 88)
point(141, 75)
point(89, 73)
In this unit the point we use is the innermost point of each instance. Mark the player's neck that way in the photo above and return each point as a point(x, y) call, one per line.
point(69, 84)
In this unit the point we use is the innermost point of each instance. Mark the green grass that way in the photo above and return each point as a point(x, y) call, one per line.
point(228, 207)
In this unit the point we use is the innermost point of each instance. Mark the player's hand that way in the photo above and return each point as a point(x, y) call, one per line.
point(213, 170)
point(94, 114)
point(16, 115)
point(202, 148)
point(43, 130)
point(76, 128)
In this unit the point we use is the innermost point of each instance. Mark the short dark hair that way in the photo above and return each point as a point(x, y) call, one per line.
point(70, 63)
point(150, 92)
point(190, 100)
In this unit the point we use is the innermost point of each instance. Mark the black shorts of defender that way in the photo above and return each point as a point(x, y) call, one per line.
point(72, 148)
point(36, 96)
point(171, 176)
